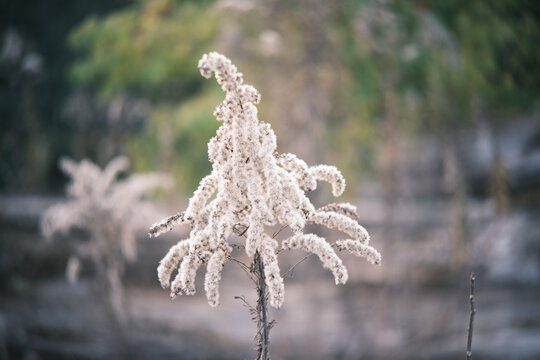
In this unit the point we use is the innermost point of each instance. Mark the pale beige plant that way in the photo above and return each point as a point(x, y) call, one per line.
point(254, 187)
point(109, 211)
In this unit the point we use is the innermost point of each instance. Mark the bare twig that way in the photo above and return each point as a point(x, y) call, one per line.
point(244, 267)
point(238, 231)
point(280, 230)
point(290, 270)
point(471, 318)
point(239, 262)
point(243, 299)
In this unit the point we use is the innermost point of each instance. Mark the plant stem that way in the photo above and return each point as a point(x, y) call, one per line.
point(471, 318)
point(262, 309)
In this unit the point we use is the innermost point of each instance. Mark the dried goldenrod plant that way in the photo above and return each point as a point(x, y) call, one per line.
point(252, 186)
point(109, 211)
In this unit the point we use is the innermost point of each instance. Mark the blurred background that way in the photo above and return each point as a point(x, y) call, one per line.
point(430, 108)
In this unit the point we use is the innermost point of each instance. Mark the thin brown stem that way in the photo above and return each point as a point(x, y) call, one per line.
point(246, 304)
point(471, 318)
point(262, 309)
point(244, 267)
point(260, 312)
point(290, 270)
point(280, 230)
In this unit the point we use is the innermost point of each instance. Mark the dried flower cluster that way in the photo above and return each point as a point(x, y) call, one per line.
point(254, 187)
point(109, 210)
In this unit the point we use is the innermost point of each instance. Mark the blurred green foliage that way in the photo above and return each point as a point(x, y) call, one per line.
point(498, 45)
point(150, 50)
point(428, 66)
point(449, 57)
point(177, 138)
point(497, 69)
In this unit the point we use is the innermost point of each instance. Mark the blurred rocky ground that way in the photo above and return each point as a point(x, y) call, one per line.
point(414, 306)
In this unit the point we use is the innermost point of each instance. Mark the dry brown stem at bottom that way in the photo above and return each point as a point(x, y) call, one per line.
point(259, 313)
point(263, 326)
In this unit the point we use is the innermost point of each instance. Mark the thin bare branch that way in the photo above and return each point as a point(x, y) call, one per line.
point(243, 299)
point(244, 267)
point(291, 269)
point(280, 230)
point(240, 229)
point(471, 318)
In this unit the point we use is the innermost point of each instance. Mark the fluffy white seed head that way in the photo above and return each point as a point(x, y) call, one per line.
point(346, 209)
point(213, 272)
point(272, 275)
point(338, 221)
point(359, 249)
point(166, 225)
point(251, 186)
point(169, 263)
point(331, 175)
point(299, 169)
point(320, 247)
